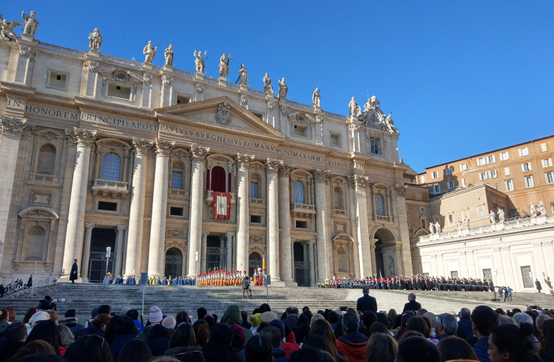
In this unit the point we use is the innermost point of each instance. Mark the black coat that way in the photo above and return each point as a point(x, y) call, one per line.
point(367, 302)
point(74, 275)
point(412, 305)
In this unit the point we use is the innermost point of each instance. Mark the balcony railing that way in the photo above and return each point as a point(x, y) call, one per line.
point(108, 188)
point(256, 201)
point(302, 210)
point(340, 213)
point(37, 178)
point(179, 192)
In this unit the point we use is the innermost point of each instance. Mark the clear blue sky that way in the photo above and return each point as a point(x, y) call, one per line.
point(461, 77)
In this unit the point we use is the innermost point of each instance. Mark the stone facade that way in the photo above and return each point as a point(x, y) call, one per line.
point(98, 151)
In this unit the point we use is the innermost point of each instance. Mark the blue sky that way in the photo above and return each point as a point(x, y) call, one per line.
point(461, 77)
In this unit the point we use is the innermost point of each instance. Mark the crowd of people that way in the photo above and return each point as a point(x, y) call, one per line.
point(361, 334)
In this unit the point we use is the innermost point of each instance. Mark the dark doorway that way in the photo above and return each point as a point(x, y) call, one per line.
point(301, 265)
point(379, 263)
point(254, 262)
point(215, 253)
point(173, 263)
point(99, 265)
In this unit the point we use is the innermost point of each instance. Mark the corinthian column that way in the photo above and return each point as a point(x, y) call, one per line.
point(272, 167)
point(321, 178)
point(119, 248)
point(362, 227)
point(136, 215)
point(243, 216)
point(159, 209)
point(76, 218)
point(195, 218)
point(284, 222)
point(86, 252)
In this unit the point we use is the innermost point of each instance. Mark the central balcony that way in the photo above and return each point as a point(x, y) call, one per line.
point(302, 210)
point(110, 189)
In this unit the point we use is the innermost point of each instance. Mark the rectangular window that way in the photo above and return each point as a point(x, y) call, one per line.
point(464, 183)
point(449, 170)
point(375, 145)
point(435, 174)
point(419, 196)
point(547, 162)
point(483, 176)
point(451, 185)
point(524, 151)
point(301, 224)
point(176, 211)
point(107, 206)
point(526, 167)
point(509, 185)
point(463, 167)
point(493, 174)
point(481, 161)
point(254, 190)
point(454, 273)
point(506, 171)
point(481, 211)
point(260, 115)
point(335, 139)
point(491, 159)
point(549, 177)
point(57, 80)
point(422, 179)
point(437, 189)
point(176, 180)
point(256, 219)
point(119, 91)
point(487, 274)
point(421, 209)
point(543, 147)
point(527, 277)
point(504, 156)
point(529, 181)
point(450, 219)
point(182, 99)
point(300, 130)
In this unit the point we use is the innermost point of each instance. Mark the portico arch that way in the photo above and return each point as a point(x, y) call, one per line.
point(385, 253)
point(173, 262)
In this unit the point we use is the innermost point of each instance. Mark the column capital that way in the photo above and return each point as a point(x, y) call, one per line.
point(310, 242)
point(121, 228)
point(163, 147)
point(321, 175)
point(353, 127)
point(142, 145)
point(357, 180)
point(273, 166)
point(244, 159)
point(89, 226)
point(80, 136)
point(199, 153)
point(401, 190)
point(205, 233)
point(15, 126)
point(230, 234)
point(285, 170)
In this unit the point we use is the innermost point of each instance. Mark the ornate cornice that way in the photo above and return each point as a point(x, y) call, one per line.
point(81, 136)
point(15, 127)
point(163, 147)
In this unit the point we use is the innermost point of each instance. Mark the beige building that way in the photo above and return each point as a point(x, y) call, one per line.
point(178, 173)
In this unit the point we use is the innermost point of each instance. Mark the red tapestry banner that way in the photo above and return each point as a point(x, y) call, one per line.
point(222, 205)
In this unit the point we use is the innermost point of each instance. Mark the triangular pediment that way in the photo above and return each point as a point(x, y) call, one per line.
point(220, 112)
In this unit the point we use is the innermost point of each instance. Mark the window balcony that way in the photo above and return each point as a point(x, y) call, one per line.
point(110, 189)
point(340, 213)
point(43, 180)
point(179, 192)
point(302, 210)
point(257, 201)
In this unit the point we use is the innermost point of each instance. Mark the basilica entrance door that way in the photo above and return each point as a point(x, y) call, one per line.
point(173, 263)
point(301, 265)
point(215, 253)
point(98, 266)
point(254, 262)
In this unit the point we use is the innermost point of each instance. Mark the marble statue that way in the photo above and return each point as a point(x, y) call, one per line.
point(6, 29)
point(243, 76)
point(459, 224)
point(501, 216)
point(316, 98)
point(95, 40)
point(31, 23)
point(354, 107)
point(540, 208)
point(533, 209)
point(199, 63)
point(432, 228)
point(168, 54)
point(268, 88)
point(224, 66)
point(150, 52)
point(283, 89)
point(492, 217)
point(466, 222)
point(390, 124)
point(438, 227)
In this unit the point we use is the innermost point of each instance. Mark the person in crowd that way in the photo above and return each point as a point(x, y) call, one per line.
point(71, 320)
point(15, 335)
point(521, 318)
point(158, 340)
point(96, 327)
point(125, 330)
point(218, 348)
point(368, 318)
point(47, 331)
point(232, 316)
point(420, 325)
point(182, 340)
point(546, 351)
point(366, 302)
point(258, 349)
point(169, 323)
point(352, 343)
point(201, 331)
point(182, 317)
point(465, 331)
point(291, 319)
point(540, 321)
point(89, 348)
point(33, 348)
point(322, 344)
point(453, 348)
point(154, 318)
point(445, 326)
point(412, 304)
point(403, 322)
point(274, 335)
point(378, 327)
point(381, 347)
point(510, 343)
point(238, 342)
point(306, 316)
point(484, 319)
point(134, 350)
point(134, 315)
point(201, 312)
point(66, 336)
point(417, 349)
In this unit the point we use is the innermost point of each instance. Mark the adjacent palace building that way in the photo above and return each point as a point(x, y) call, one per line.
point(178, 173)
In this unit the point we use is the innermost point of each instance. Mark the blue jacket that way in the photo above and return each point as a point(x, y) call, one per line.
point(481, 348)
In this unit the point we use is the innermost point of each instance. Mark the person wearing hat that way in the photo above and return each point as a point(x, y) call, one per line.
point(125, 329)
point(246, 287)
point(232, 316)
point(155, 317)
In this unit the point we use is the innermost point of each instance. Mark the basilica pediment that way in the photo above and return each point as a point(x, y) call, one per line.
point(220, 112)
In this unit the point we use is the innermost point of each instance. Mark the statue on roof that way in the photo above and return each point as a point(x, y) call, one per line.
point(168, 54)
point(243, 76)
point(31, 23)
point(316, 98)
point(389, 124)
point(354, 107)
point(283, 89)
point(6, 29)
point(224, 66)
point(268, 88)
point(150, 52)
point(199, 63)
point(95, 40)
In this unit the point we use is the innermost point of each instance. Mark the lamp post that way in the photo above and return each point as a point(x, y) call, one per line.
point(108, 253)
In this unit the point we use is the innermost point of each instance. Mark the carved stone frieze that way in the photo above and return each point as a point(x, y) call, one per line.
point(80, 136)
point(257, 239)
point(181, 154)
point(147, 78)
point(199, 88)
point(271, 104)
point(243, 100)
point(175, 233)
point(163, 147)
point(167, 80)
point(284, 111)
point(223, 113)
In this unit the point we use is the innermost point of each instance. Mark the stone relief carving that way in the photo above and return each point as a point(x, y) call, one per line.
point(163, 147)
point(175, 233)
point(401, 190)
point(147, 79)
point(167, 80)
point(257, 239)
point(244, 101)
point(95, 40)
point(198, 152)
point(41, 199)
point(270, 104)
point(321, 175)
point(284, 111)
point(142, 145)
point(273, 165)
point(373, 117)
point(27, 52)
point(340, 227)
point(244, 159)
point(31, 23)
point(149, 52)
point(90, 66)
point(223, 114)
point(199, 88)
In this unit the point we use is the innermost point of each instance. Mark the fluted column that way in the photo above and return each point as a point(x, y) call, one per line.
point(284, 222)
point(229, 245)
point(159, 209)
point(76, 217)
point(272, 167)
point(195, 218)
point(243, 215)
point(86, 251)
point(373, 259)
point(310, 244)
point(133, 254)
point(362, 228)
point(203, 251)
point(321, 178)
point(119, 248)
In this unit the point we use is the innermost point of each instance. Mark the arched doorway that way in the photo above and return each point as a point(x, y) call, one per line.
point(254, 262)
point(385, 257)
point(173, 263)
point(101, 238)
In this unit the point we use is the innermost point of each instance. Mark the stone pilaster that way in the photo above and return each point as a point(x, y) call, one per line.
point(196, 203)
point(405, 256)
point(229, 245)
point(272, 167)
point(76, 217)
point(243, 215)
point(353, 129)
point(310, 245)
point(133, 253)
point(373, 259)
point(362, 227)
point(284, 222)
point(159, 209)
point(204, 251)
point(119, 249)
point(86, 252)
point(321, 178)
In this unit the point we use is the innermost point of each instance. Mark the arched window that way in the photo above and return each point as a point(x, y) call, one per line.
point(299, 197)
point(111, 167)
point(380, 205)
point(339, 205)
point(35, 246)
point(46, 160)
point(423, 224)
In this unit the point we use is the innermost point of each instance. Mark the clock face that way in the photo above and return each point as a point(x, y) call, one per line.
point(373, 117)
